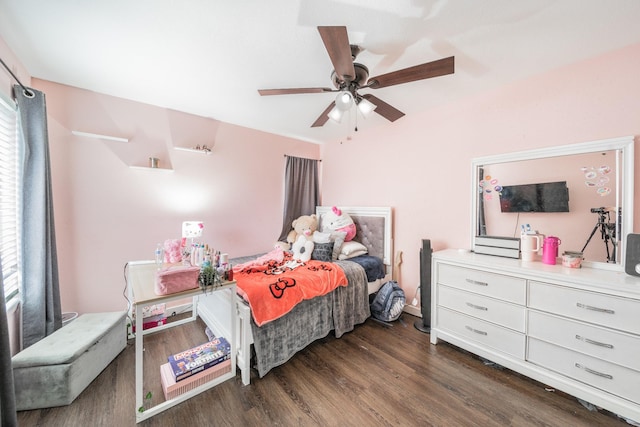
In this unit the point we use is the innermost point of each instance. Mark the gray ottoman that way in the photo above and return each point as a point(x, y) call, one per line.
point(56, 369)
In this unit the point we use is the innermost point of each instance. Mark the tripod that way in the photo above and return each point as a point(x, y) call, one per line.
point(607, 233)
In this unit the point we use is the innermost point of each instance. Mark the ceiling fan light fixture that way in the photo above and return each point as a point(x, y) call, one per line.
point(344, 100)
point(366, 107)
point(335, 114)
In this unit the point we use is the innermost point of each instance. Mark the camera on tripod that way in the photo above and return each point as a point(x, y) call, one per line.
point(607, 231)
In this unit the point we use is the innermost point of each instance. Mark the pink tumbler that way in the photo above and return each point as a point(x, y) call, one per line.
point(550, 250)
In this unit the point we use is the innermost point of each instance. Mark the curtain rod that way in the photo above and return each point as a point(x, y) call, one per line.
point(27, 92)
point(317, 160)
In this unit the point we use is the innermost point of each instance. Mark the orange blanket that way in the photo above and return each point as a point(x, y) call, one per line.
point(273, 289)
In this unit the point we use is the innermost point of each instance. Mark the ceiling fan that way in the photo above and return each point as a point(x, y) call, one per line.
point(349, 77)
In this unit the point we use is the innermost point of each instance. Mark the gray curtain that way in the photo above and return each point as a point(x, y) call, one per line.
point(7, 393)
point(301, 191)
point(41, 310)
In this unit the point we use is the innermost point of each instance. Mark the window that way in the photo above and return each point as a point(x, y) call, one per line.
point(9, 213)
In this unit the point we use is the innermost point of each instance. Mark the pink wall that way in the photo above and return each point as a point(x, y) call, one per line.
point(107, 213)
point(422, 164)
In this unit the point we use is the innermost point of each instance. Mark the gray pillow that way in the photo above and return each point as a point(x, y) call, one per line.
point(323, 252)
point(338, 239)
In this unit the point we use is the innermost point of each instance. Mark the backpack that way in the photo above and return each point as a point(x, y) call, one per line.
point(388, 302)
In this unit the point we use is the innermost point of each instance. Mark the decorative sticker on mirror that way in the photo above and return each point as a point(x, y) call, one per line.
point(597, 177)
point(487, 186)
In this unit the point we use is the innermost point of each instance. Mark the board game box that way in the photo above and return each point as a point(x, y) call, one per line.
point(197, 359)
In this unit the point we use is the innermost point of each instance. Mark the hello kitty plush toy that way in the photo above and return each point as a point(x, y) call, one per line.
point(336, 220)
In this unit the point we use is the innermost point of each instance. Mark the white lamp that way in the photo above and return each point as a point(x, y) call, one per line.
point(366, 107)
point(335, 114)
point(192, 229)
point(344, 100)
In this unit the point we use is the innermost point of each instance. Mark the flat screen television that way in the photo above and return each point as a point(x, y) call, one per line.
point(543, 197)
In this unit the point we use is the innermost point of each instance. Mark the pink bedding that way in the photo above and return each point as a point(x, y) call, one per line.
point(272, 288)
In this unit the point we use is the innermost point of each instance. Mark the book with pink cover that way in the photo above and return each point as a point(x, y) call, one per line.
point(173, 389)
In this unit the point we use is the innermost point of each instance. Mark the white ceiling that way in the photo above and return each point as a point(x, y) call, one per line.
point(210, 57)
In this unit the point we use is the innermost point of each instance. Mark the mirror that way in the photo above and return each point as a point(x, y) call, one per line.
point(593, 214)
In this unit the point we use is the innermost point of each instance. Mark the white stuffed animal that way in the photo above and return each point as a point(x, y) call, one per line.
point(302, 249)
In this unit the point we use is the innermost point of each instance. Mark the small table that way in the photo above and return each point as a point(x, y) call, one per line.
point(140, 285)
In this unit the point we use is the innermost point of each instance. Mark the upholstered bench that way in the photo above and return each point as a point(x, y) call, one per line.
point(56, 369)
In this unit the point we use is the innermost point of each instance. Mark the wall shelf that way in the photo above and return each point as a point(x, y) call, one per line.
point(98, 136)
point(193, 150)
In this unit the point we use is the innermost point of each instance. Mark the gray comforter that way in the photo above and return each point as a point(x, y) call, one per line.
point(339, 310)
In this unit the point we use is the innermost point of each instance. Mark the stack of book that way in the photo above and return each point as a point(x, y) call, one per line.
point(500, 246)
point(152, 316)
point(152, 322)
point(192, 368)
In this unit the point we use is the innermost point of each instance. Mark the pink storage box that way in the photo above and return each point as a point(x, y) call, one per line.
point(172, 389)
point(178, 278)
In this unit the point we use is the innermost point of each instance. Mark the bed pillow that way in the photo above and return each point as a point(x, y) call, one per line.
point(323, 252)
point(338, 239)
point(319, 237)
point(352, 249)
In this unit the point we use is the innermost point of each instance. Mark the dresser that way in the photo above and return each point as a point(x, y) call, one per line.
point(576, 330)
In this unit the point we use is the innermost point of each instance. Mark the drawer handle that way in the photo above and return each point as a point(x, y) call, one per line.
point(475, 282)
point(587, 340)
point(594, 372)
point(476, 331)
point(477, 307)
point(592, 308)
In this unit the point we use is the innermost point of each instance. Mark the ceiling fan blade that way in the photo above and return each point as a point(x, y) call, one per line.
point(437, 68)
point(385, 110)
point(336, 41)
point(320, 121)
point(293, 91)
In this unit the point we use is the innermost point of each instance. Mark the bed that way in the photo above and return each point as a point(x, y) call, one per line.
point(339, 310)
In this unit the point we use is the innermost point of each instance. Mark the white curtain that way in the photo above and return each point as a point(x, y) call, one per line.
point(7, 392)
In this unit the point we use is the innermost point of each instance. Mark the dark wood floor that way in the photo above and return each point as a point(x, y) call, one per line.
point(375, 375)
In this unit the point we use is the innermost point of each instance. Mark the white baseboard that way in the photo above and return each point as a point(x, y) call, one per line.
point(178, 309)
point(413, 310)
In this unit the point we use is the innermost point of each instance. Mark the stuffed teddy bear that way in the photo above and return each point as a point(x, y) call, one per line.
point(172, 251)
point(305, 225)
point(336, 220)
point(302, 249)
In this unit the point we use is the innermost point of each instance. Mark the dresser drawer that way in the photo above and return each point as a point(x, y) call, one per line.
point(485, 333)
point(593, 307)
point(507, 288)
point(496, 311)
point(612, 378)
point(616, 347)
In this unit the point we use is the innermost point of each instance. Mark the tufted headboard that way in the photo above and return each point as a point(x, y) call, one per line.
point(374, 230)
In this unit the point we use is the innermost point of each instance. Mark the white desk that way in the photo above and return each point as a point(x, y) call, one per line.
point(140, 285)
